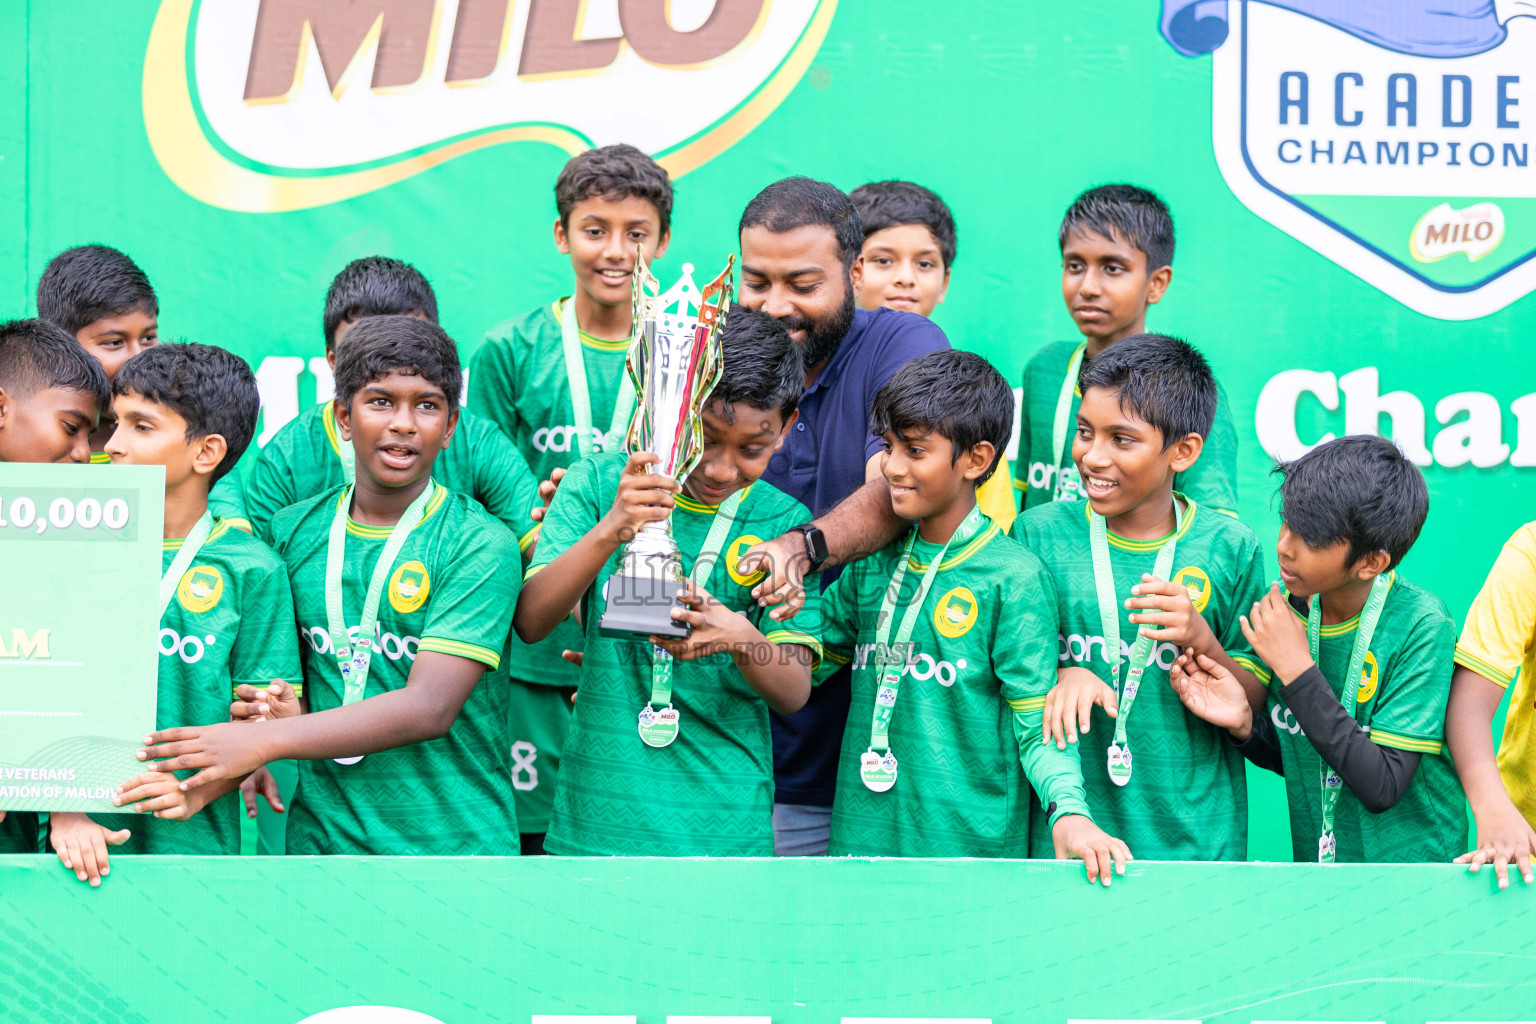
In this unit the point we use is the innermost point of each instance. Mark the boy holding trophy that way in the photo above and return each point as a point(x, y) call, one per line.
point(670, 752)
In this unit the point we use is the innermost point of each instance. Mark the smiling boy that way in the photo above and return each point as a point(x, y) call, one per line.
point(942, 771)
point(403, 592)
point(100, 296)
point(1116, 261)
point(553, 380)
point(909, 246)
point(709, 790)
point(1142, 573)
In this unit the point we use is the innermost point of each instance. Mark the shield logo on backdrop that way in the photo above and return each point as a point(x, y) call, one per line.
point(1393, 138)
point(271, 105)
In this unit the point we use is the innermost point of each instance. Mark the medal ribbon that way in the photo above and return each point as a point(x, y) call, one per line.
point(1064, 416)
point(887, 658)
point(171, 578)
point(354, 664)
point(581, 399)
point(714, 548)
point(1329, 779)
point(1109, 612)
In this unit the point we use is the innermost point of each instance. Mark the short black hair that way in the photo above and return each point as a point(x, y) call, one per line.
point(613, 173)
point(36, 355)
point(1137, 214)
point(801, 202)
point(89, 283)
point(375, 286)
point(1361, 489)
point(761, 366)
point(890, 204)
point(1159, 379)
point(957, 395)
point(381, 345)
point(211, 388)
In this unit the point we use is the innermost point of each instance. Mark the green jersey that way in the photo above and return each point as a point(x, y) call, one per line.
point(1404, 686)
point(1212, 481)
point(20, 833)
point(710, 793)
point(517, 379)
point(1188, 799)
point(229, 623)
point(451, 590)
point(227, 499)
point(966, 724)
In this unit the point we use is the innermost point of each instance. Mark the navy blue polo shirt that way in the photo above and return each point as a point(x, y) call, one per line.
point(821, 463)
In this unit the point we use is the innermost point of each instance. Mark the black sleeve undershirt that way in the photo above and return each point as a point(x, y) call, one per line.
point(1262, 746)
point(1377, 775)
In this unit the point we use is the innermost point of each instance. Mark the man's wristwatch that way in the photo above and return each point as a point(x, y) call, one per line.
point(815, 545)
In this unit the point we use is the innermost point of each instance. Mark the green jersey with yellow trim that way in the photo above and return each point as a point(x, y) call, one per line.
point(1188, 796)
point(966, 729)
point(710, 793)
point(1212, 481)
point(1404, 686)
point(451, 591)
point(229, 623)
point(517, 379)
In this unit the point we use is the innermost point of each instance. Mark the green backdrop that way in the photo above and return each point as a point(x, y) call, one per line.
point(465, 941)
point(1006, 109)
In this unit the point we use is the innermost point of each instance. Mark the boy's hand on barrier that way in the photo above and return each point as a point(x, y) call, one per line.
point(547, 491)
point(1277, 636)
point(1158, 602)
point(277, 700)
point(716, 629)
point(1503, 835)
point(643, 497)
point(1069, 705)
point(1210, 692)
point(1077, 838)
point(82, 844)
point(224, 751)
point(785, 562)
point(261, 783)
point(157, 794)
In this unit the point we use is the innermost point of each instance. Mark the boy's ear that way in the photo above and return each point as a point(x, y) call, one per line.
point(1157, 285)
point(661, 246)
point(453, 424)
point(7, 405)
point(977, 458)
point(789, 425)
point(1371, 564)
point(1183, 452)
point(944, 288)
point(208, 451)
point(343, 420)
point(561, 241)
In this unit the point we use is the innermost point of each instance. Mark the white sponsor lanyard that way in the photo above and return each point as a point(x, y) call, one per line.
point(1109, 626)
point(878, 765)
point(1332, 785)
point(1063, 417)
point(581, 398)
point(354, 663)
point(171, 578)
point(658, 728)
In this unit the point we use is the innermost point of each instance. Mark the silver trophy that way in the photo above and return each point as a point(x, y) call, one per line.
point(674, 361)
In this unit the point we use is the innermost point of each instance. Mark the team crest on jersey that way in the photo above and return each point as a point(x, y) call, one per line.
point(733, 555)
point(1368, 678)
point(200, 588)
point(1197, 583)
point(408, 587)
point(1392, 138)
point(955, 613)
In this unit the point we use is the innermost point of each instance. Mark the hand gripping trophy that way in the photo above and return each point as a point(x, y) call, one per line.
point(674, 361)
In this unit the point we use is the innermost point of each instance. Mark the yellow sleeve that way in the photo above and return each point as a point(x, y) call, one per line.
point(1501, 624)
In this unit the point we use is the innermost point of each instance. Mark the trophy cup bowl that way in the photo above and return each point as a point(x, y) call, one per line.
point(674, 361)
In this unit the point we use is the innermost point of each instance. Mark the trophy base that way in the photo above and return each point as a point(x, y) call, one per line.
point(639, 607)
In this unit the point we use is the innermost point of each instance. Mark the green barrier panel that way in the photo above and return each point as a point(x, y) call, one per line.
point(277, 940)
